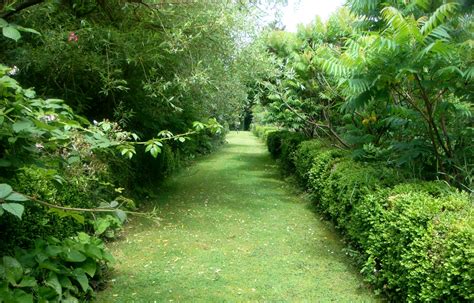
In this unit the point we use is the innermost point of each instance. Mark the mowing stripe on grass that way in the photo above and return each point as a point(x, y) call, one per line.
point(232, 230)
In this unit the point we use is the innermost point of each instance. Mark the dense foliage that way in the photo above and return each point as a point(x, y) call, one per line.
point(99, 99)
point(388, 80)
point(413, 239)
point(384, 88)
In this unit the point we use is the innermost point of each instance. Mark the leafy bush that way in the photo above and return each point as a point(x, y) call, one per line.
point(38, 222)
point(262, 131)
point(282, 143)
point(289, 145)
point(346, 184)
point(309, 155)
point(415, 239)
point(418, 242)
point(274, 140)
point(54, 271)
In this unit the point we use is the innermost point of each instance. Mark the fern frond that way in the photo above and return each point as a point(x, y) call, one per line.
point(423, 4)
point(442, 13)
point(403, 28)
point(334, 67)
point(469, 74)
point(440, 33)
point(449, 70)
point(358, 86)
point(394, 18)
point(438, 47)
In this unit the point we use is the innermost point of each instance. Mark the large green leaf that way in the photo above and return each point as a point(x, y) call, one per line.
point(69, 299)
point(81, 277)
point(16, 197)
point(11, 32)
point(3, 23)
point(53, 282)
point(13, 270)
point(5, 190)
point(27, 282)
point(90, 267)
point(23, 125)
point(73, 255)
point(15, 209)
point(22, 297)
point(93, 251)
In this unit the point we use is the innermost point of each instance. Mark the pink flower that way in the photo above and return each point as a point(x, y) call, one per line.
point(72, 37)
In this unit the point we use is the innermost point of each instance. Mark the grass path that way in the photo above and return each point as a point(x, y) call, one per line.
point(232, 231)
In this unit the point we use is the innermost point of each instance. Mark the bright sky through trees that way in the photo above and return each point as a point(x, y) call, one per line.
point(304, 11)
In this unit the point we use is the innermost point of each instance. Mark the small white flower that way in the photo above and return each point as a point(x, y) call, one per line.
point(39, 146)
point(48, 118)
point(13, 71)
point(95, 122)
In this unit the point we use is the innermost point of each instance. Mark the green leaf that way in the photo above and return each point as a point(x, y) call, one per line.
point(14, 209)
point(16, 197)
point(1, 211)
point(73, 255)
point(155, 150)
point(13, 270)
point(11, 32)
point(81, 277)
point(49, 265)
point(22, 125)
point(66, 283)
point(22, 297)
point(121, 215)
point(93, 251)
point(5, 190)
point(53, 282)
point(101, 226)
point(5, 163)
point(90, 267)
point(28, 282)
point(69, 299)
point(53, 250)
point(3, 23)
point(28, 30)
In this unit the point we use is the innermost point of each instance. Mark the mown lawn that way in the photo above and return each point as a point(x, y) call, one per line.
point(232, 230)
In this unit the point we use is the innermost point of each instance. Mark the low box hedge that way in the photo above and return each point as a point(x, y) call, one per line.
point(415, 237)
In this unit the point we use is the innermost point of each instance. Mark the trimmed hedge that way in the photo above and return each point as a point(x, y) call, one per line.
point(283, 144)
point(262, 131)
point(418, 244)
point(416, 238)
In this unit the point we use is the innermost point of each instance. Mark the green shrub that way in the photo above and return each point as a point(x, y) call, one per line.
point(54, 271)
point(311, 154)
point(347, 183)
point(282, 144)
point(274, 142)
point(289, 145)
point(38, 222)
point(415, 239)
point(262, 131)
point(418, 240)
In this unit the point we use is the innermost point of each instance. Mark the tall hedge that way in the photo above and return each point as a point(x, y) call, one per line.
point(415, 237)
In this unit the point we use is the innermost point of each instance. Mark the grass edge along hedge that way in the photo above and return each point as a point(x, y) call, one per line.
point(415, 237)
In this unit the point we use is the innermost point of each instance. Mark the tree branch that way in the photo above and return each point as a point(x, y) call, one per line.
point(20, 7)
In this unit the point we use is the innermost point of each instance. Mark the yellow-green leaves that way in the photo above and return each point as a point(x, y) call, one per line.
point(154, 147)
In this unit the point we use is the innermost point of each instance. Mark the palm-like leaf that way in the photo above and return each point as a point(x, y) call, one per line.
point(442, 13)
